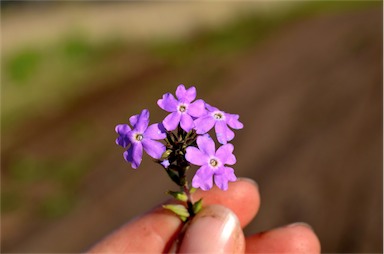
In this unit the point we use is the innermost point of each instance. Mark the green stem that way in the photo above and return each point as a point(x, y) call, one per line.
point(189, 200)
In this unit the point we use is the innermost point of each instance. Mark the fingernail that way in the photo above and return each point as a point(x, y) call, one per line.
point(299, 224)
point(248, 180)
point(215, 229)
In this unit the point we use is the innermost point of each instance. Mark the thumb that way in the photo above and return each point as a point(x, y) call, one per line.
point(215, 229)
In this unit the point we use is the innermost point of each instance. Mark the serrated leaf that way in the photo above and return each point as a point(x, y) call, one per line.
point(179, 195)
point(197, 206)
point(179, 210)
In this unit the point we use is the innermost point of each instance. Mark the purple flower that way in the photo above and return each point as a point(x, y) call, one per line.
point(165, 163)
point(183, 110)
point(139, 137)
point(219, 119)
point(212, 163)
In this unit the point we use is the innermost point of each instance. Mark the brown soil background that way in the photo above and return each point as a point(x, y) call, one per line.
point(310, 98)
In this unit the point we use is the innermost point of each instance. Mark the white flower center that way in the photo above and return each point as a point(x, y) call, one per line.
point(213, 162)
point(182, 108)
point(218, 115)
point(139, 137)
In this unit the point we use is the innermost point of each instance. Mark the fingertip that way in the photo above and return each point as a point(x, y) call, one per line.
point(242, 197)
point(218, 224)
point(294, 238)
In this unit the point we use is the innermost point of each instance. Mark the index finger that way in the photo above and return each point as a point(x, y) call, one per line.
point(156, 230)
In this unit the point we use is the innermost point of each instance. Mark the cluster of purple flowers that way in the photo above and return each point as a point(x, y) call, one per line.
point(185, 132)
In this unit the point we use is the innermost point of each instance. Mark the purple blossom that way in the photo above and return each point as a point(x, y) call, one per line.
point(140, 137)
point(183, 110)
point(165, 163)
point(212, 163)
point(219, 119)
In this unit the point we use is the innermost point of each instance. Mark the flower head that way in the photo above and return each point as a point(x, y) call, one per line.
point(213, 163)
point(140, 137)
point(182, 109)
point(219, 119)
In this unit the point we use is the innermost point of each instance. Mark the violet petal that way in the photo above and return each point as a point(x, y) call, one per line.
point(171, 121)
point(133, 120)
point(122, 129)
point(204, 124)
point(221, 131)
point(185, 95)
point(168, 103)
point(203, 178)
point(233, 122)
point(142, 121)
point(153, 148)
point(206, 145)
point(195, 156)
point(223, 176)
point(155, 131)
point(197, 108)
point(211, 108)
point(186, 122)
point(225, 154)
point(137, 154)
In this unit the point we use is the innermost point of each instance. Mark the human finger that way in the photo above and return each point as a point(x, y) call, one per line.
point(156, 230)
point(294, 238)
point(215, 229)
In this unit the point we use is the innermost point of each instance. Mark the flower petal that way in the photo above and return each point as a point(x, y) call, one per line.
point(210, 108)
point(155, 131)
point(122, 141)
point(165, 163)
point(225, 154)
point(195, 156)
point(203, 178)
point(223, 176)
point(233, 122)
point(122, 129)
point(153, 148)
point(142, 121)
point(223, 133)
point(186, 122)
point(185, 95)
point(168, 103)
point(197, 108)
point(171, 121)
point(134, 155)
point(133, 120)
point(206, 145)
point(204, 124)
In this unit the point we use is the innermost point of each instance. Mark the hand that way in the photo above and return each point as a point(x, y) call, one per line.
point(216, 228)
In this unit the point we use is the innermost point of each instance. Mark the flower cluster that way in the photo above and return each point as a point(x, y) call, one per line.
point(186, 141)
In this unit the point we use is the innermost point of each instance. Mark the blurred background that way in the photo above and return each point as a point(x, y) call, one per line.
point(305, 77)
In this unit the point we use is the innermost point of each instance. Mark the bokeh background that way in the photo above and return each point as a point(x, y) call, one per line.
point(305, 77)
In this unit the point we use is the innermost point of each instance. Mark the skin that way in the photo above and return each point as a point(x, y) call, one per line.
point(158, 230)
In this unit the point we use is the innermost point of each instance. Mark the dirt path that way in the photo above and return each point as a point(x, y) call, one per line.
point(310, 98)
point(25, 27)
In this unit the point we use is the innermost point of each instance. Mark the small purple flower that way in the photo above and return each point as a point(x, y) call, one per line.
point(212, 163)
point(139, 137)
point(165, 163)
point(219, 119)
point(183, 110)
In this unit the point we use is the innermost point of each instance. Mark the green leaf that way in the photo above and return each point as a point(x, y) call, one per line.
point(172, 174)
point(179, 195)
point(197, 206)
point(192, 190)
point(179, 210)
